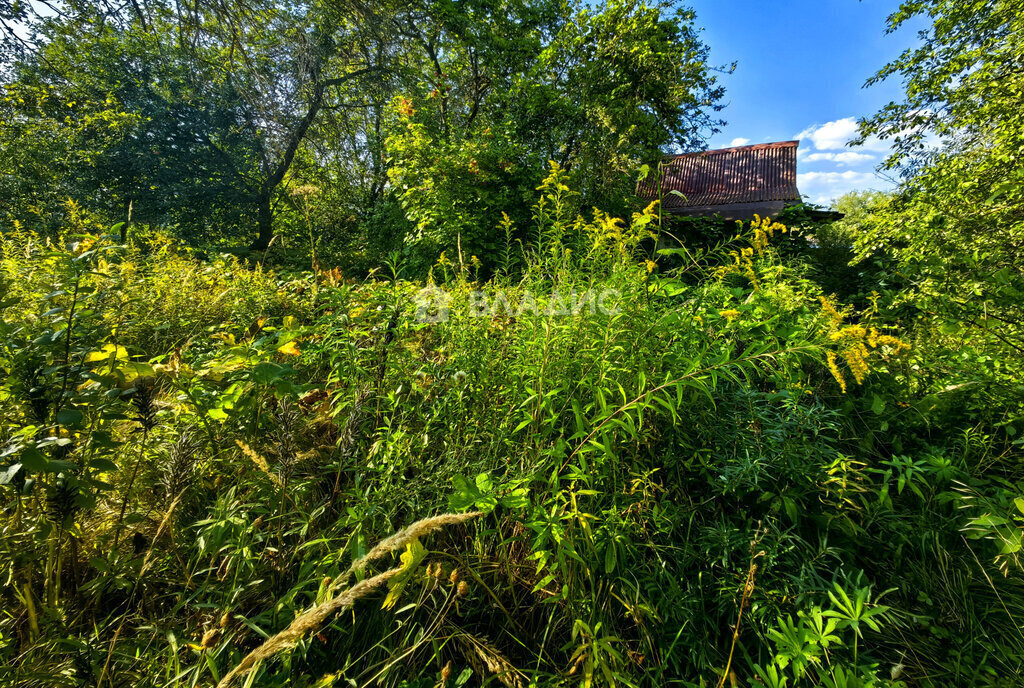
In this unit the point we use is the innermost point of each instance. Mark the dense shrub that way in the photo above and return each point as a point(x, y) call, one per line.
point(197, 449)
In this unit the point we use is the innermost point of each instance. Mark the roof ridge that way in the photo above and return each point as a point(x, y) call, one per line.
point(753, 146)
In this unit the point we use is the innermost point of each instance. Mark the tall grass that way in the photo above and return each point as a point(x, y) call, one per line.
point(671, 489)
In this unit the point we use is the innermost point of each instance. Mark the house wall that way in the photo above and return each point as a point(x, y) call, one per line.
point(734, 211)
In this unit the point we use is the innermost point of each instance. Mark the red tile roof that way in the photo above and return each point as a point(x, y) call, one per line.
point(745, 174)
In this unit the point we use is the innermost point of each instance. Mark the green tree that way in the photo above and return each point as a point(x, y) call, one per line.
point(226, 94)
point(599, 89)
point(956, 227)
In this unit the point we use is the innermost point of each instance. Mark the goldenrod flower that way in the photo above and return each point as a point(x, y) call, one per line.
point(834, 368)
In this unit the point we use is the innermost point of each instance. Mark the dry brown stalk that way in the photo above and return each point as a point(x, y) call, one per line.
point(307, 621)
point(748, 590)
point(485, 658)
point(315, 616)
point(258, 461)
point(403, 537)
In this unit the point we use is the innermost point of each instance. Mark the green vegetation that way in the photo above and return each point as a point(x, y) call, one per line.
point(450, 425)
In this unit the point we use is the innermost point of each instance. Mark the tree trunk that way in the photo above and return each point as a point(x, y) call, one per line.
point(265, 215)
point(265, 222)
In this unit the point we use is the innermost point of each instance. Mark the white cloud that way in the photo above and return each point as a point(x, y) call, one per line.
point(839, 168)
point(738, 141)
point(835, 135)
point(824, 187)
point(852, 158)
point(831, 135)
point(844, 158)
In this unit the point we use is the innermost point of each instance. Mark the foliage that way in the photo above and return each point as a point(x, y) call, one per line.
point(954, 231)
point(542, 443)
point(197, 450)
point(201, 122)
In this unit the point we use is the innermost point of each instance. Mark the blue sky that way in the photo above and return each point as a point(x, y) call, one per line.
point(801, 69)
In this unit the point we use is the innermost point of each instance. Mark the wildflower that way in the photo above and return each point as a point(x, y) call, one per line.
point(463, 589)
point(305, 191)
point(855, 358)
point(834, 368)
point(730, 314)
point(460, 377)
point(854, 343)
point(831, 312)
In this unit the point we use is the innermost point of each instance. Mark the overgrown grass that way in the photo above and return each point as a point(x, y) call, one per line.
point(674, 488)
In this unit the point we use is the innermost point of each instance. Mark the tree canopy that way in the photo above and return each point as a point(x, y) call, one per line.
point(200, 117)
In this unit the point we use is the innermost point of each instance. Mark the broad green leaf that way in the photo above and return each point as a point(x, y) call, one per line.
point(410, 560)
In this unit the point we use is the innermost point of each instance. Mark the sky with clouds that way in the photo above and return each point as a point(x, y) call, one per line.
point(801, 68)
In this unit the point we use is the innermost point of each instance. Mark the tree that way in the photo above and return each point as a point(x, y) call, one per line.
point(222, 105)
point(956, 226)
point(962, 82)
point(141, 133)
point(599, 90)
point(257, 75)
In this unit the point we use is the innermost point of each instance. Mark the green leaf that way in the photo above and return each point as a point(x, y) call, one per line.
point(483, 483)
point(610, 558)
point(217, 414)
point(266, 373)
point(129, 370)
point(33, 460)
point(103, 465)
point(466, 494)
point(411, 558)
point(70, 418)
point(517, 499)
point(7, 475)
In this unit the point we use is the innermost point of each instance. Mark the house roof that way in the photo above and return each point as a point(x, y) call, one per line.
point(744, 174)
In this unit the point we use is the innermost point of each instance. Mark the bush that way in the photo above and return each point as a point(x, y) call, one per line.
point(658, 475)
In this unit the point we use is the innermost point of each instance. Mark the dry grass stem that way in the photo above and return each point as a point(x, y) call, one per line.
point(314, 617)
point(403, 537)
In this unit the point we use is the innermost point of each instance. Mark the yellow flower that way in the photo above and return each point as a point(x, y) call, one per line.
point(289, 349)
point(730, 314)
point(855, 358)
point(834, 368)
point(853, 345)
point(831, 312)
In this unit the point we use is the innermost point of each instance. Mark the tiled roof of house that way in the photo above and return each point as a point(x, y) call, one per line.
point(744, 174)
